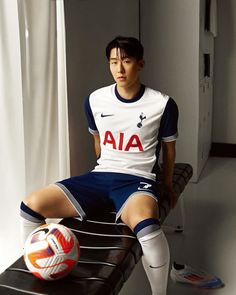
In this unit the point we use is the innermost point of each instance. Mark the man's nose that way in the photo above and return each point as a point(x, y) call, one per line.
point(121, 68)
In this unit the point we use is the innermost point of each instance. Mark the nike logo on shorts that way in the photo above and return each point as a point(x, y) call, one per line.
point(144, 185)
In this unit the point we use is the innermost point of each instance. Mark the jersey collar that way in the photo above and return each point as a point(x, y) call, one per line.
point(136, 98)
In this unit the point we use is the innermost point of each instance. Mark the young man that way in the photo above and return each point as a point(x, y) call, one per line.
point(129, 122)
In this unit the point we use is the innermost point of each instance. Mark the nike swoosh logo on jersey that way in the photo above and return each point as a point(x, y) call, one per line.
point(106, 115)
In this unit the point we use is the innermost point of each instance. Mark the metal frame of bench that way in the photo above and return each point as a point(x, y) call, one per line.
point(109, 253)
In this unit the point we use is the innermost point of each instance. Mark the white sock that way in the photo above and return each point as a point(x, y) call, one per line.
point(26, 228)
point(156, 258)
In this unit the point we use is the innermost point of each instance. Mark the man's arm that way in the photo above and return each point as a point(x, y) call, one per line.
point(168, 158)
point(97, 147)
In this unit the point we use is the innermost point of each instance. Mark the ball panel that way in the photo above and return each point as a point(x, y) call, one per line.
point(51, 251)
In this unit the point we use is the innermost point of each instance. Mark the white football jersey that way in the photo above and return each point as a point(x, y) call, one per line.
point(131, 131)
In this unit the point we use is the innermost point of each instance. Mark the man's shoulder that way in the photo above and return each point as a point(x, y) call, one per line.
point(106, 90)
point(156, 93)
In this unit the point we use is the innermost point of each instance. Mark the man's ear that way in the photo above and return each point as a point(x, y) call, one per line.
point(141, 64)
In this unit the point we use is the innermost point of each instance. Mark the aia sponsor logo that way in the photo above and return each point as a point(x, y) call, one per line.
point(122, 143)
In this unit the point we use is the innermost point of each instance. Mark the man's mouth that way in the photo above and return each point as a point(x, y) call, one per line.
point(121, 78)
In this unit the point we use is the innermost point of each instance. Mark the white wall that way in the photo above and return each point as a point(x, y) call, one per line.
point(224, 116)
point(170, 34)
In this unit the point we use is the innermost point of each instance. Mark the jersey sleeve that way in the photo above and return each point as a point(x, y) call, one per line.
point(90, 118)
point(169, 122)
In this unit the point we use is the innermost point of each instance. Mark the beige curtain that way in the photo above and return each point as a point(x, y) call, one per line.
point(34, 145)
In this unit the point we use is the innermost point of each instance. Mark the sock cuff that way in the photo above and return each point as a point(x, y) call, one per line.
point(146, 227)
point(146, 237)
point(30, 214)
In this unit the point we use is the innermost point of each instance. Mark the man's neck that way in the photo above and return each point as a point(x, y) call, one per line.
point(129, 92)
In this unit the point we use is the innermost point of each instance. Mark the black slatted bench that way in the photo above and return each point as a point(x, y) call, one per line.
point(109, 252)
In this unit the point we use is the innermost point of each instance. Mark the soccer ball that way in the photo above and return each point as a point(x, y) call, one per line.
point(51, 251)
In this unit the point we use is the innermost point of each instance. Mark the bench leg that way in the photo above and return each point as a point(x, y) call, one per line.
point(175, 219)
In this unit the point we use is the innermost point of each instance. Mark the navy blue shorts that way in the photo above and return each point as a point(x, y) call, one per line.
point(97, 192)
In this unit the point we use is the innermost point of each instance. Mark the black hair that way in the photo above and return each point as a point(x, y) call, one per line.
point(129, 46)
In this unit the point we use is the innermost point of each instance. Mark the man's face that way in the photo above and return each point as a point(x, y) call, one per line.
point(124, 69)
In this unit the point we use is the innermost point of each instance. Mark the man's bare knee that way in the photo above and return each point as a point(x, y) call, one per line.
point(50, 202)
point(139, 208)
point(35, 202)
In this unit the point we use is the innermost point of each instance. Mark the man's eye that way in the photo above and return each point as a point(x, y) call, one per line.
point(126, 61)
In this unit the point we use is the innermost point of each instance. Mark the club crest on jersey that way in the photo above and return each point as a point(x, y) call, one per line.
point(121, 143)
point(141, 117)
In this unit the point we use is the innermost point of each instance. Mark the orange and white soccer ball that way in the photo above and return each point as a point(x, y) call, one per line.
point(51, 251)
